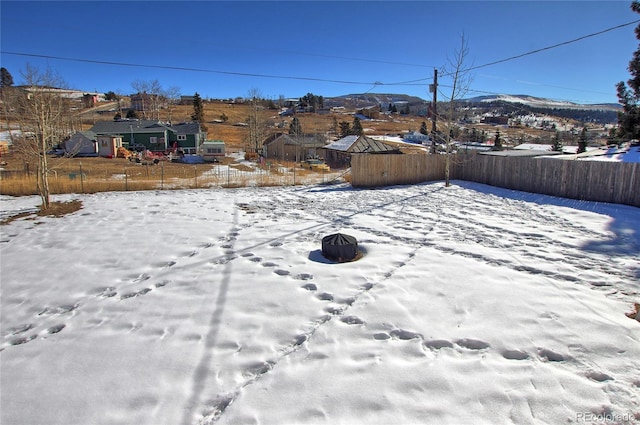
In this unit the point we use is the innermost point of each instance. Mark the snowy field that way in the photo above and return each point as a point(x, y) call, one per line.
point(471, 305)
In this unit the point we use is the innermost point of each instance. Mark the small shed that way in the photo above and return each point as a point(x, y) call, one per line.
point(338, 154)
point(291, 147)
point(108, 145)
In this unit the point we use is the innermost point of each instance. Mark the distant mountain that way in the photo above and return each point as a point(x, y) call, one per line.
point(502, 104)
point(371, 99)
point(539, 102)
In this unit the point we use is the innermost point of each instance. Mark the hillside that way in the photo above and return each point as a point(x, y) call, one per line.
point(226, 120)
point(524, 104)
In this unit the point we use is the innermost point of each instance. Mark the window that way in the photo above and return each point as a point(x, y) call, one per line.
point(153, 140)
point(214, 150)
point(182, 137)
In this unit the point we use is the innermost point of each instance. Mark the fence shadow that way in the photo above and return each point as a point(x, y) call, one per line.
point(624, 219)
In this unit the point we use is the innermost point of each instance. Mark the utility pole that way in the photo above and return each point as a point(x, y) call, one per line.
point(433, 88)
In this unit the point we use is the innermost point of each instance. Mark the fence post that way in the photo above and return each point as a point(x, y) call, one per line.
point(162, 176)
point(195, 175)
point(81, 179)
point(126, 185)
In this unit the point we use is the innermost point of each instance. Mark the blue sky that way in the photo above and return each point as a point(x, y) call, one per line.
point(289, 48)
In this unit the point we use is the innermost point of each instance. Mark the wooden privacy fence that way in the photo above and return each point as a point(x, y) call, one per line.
point(601, 181)
point(369, 170)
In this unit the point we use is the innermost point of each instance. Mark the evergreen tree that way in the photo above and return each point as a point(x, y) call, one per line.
point(582, 142)
point(132, 114)
point(198, 109)
point(556, 143)
point(110, 95)
point(629, 118)
point(334, 125)
point(356, 127)
point(423, 128)
point(117, 116)
point(345, 129)
point(497, 142)
point(295, 128)
point(6, 80)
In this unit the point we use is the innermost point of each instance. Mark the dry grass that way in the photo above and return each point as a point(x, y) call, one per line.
point(635, 314)
point(90, 175)
point(56, 209)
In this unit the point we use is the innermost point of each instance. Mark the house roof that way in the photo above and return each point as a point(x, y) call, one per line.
point(143, 126)
point(342, 144)
point(360, 144)
point(186, 127)
point(303, 140)
point(88, 134)
point(520, 153)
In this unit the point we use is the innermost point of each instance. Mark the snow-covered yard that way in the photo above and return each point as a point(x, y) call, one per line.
point(471, 305)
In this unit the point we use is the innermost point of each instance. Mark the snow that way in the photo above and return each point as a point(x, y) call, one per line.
point(342, 144)
point(535, 101)
point(470, 305)
point(626, 154)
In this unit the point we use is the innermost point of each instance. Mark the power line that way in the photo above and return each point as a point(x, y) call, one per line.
point(416, 82)
point(531, 52)
point(564, 43)
point(180, 68)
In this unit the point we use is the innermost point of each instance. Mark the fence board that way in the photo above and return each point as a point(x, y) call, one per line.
point(601, 181)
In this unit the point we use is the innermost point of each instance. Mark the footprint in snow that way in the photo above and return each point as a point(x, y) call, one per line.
point(551, 356)
point(404, 334)
point(599, 376)
point(515, 355)
point(56, 329)
point(472, 344)
point(352, 320)
point(135, 294)
point(162, 283)
point(23, 340)
point(325, 296)
point(107, 292)
point(438, 344)
point(63, 309)
point(16, 330)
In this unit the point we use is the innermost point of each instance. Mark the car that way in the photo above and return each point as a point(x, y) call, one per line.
point(57, 152)
point(314, 165)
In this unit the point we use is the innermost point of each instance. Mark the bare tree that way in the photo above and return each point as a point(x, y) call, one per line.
point(43, 114)
point(141, 88)
point(256, 122)
point(461, 80)
point(155, 97)
point(172, 94)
